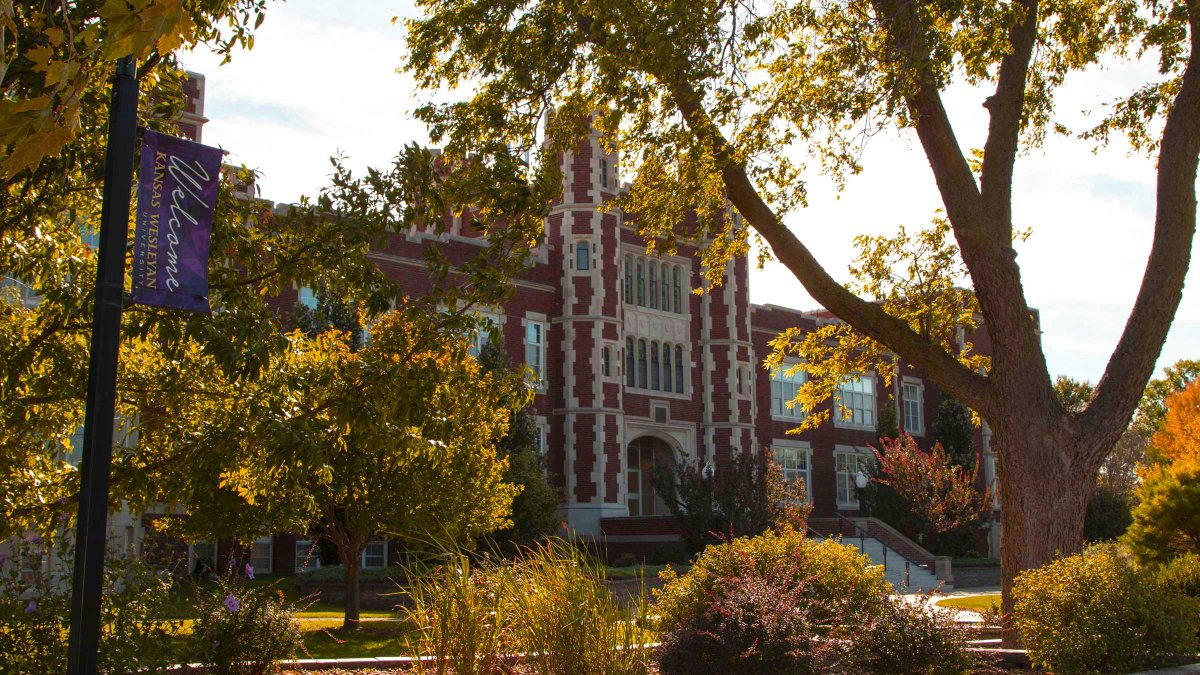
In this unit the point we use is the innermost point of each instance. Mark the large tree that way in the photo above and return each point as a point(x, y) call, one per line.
point(708, 99)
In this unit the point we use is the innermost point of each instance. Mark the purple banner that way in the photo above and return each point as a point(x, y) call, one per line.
point(177, 190)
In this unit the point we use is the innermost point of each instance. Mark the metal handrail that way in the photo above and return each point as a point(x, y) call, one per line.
point(862, 533)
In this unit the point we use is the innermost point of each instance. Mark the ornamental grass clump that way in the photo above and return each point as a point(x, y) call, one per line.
point(1098, 611)
point(241, 629)
point(565, 621)
point(458, 614)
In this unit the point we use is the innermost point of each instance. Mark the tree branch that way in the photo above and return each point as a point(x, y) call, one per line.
point(864, 316)
point(1132, 362)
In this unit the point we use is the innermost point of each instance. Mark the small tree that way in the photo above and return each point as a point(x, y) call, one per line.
point(953, 429)
point(744, 498)
point(1179, 436)
point(534, 508)
point(1166, 521)
point(942, 492)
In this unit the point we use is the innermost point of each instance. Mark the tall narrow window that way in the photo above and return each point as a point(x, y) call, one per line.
point(642, 364)
point(641, 283)
point(679, 370)
point(667, 367)
point(653, 285)
point(583, 258)
point(784, 389)
point(535, 353)
point(666, 288)
point(914, 422)
point(654, 373)
point(678, 287)
point(857, 397)
point(605, 364)
point(629, 279)
point(603, 172)
point(630, 372)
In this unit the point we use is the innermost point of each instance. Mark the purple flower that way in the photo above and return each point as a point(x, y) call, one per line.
point(3, 558)
point(231, 603)
point(33, 538)
point(249, 571)
point(31, 607)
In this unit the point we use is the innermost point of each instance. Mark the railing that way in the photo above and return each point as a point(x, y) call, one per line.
point(845, 527)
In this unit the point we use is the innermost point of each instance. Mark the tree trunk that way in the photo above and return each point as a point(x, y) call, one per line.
point(1044, 490)
point(350, 549)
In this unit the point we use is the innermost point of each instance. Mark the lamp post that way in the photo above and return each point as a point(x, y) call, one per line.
point(100, 408)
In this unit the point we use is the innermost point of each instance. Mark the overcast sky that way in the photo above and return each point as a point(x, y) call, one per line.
point(322, 80)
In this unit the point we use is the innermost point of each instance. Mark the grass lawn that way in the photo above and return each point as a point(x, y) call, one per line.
point(650, 572)
point(974, 603)
point(181, 605)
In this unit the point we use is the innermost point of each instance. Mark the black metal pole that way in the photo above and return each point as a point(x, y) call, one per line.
point(87, 587)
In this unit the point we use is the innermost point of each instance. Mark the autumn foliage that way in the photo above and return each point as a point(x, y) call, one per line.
point(934, 486)
point(1179, 436)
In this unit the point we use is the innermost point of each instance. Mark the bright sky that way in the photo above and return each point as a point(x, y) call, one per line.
point(322, 80)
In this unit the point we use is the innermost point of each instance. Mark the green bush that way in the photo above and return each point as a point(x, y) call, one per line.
point(337, 574)
point(35, 612)
point(834, 574)
point(909, 638)
point(1182, 575)
point(756, 623)
point(242, 629)
point(1099, 612)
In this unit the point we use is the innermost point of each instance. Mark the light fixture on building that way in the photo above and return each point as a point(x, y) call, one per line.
point(861, 480)
point(706, 472)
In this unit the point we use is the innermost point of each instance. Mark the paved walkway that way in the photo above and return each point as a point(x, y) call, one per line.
point(961, 614)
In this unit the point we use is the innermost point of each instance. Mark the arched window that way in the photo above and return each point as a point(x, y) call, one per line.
point(679, 370)
point(641, 283)
point(653, 285)
point(666, 289)
point(629, 279)
point(629, 371)
point(678, 290)
point(642, 364)
point(666, 367)
point(654, 373)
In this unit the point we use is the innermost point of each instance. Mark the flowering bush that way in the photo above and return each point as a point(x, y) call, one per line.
point(35, 602)
point(936, 488)
point(244, 630)
point(1099, 612)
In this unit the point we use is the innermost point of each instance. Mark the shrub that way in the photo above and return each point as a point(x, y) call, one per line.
point(35, 612)
point(1108, 516)
point(910, 637)
point(244, 630)
point(1098, 611)
point(833, 575)
point(756, 623)
point(457, 611)
point(563, 617)
point(1182, 575)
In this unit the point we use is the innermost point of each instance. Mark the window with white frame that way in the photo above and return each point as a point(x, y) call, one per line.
point(603, 172)
point(306, 297)
point(539, 439)
point(306, 555)
point(914, 418)
point(855, 407)
point(848, 463)
point(260, 555)
point(374, 555)
point(535, 349)
point(794, 462)
point(785, 386)
point(483, 335)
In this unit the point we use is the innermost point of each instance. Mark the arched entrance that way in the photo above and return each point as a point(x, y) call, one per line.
point(643, 456)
